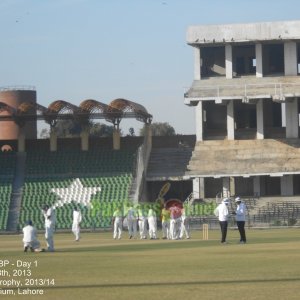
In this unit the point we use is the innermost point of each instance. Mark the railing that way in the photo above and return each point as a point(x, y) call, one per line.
point(190, 199)
point(246, 90)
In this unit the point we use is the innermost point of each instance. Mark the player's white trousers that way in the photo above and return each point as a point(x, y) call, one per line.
point(49, 237)
point(185, 228)
point(152, 227)
point(117, 229)
point(143, 227)
point(76, 230)
point(132, 227)
point(166, 229)
point(174, 228)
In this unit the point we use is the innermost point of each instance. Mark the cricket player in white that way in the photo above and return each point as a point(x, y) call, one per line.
point(152, 221)
point(49, 215)
point(175, 222)
point(30, 238)
point(165, 222)
point(118, 223)
point(185, 224)
point(77, 217)
point(131, 222)
point(142, 218)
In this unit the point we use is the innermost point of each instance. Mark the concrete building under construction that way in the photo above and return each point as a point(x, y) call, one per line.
point(245, 94)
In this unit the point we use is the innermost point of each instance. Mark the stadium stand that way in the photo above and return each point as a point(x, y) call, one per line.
point(99, 167)
point(7, 167)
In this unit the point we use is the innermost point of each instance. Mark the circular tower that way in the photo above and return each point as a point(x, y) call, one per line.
point(13, 97)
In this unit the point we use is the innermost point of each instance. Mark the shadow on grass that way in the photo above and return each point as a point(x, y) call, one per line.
point(173, 245)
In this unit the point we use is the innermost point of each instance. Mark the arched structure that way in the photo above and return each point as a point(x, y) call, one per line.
point(124, 106)
point(30, 111)
point(57, 109)
point(92, 107)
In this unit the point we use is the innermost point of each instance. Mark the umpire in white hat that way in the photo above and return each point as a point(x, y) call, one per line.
point(240, 216)
point(222, 213)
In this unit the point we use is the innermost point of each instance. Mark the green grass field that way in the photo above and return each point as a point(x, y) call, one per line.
point(98, 267)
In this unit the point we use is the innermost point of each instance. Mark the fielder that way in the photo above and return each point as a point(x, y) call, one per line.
point(77, 218)
point(165, 222)
point(30, 238)
point(175, 214)
point(117, 221)
point(142, 219)
point(185, 224)
point(131, 222)
point(152, 221)
point(49, 215)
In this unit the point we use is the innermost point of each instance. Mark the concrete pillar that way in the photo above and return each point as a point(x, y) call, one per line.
point(256, 186)
point(259, 60)
point(290, 59)
point(232, 185)
point(292, 119)
point(202, 188)
point(21, 140)
point(116, 139)
point(84, 140)
point(53, 140)
point(226, 187)
point(230, 120)
point(199, 121)
point(286, 184)
point(197, 64)
point(228, 61)
point(196, 187)
point(260, 134)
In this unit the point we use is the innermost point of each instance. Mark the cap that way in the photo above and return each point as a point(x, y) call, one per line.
point(238, 199)
point(29, 222)
point(225, 200)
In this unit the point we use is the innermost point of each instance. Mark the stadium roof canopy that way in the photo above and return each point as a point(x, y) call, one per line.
point(114, 112)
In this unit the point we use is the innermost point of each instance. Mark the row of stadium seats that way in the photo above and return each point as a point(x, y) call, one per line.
point(7, 163)
point(7, 167)
point(69, 162)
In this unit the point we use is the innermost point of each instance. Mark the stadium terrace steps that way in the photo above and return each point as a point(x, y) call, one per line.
point(240, 157)
point(168, 162)
point(276, 211)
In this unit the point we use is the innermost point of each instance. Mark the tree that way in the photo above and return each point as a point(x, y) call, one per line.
point(67, 128)
point(101, 130)
point(44, 134)
point(131, 131)
point(71, 128)
point(160, 129)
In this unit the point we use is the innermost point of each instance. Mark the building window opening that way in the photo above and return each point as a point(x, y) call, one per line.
point(273, 59)
point(213, 61)
point(243, 57)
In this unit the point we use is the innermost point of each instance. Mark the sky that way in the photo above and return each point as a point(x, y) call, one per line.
point(75, 50)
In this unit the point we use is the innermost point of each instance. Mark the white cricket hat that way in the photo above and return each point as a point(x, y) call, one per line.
point(238, 199)
point(226, 200)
